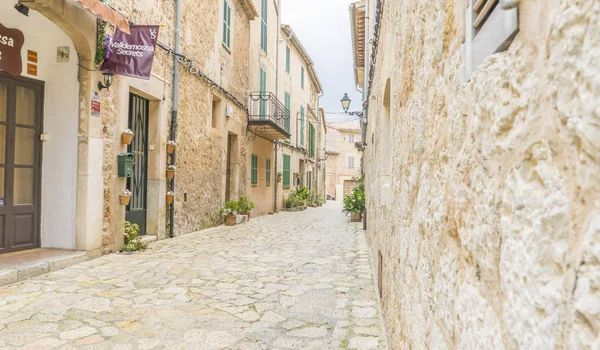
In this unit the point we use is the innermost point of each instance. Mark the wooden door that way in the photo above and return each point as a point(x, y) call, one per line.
point(21, 115)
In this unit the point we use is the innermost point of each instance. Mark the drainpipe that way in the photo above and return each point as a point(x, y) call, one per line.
point(277, 96)
point(318, 143)
point(175, 109)
point(366, 89)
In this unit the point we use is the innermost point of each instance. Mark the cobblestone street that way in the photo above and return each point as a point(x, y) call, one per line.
point(291, 280)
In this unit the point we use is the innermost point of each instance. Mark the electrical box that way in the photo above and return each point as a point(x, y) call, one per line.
point(125, 165)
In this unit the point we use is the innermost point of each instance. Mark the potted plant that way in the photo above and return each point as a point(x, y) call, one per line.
point(245, 206)
point(279, 177)
point(229, 210)
point(170, 197)
point(127, 136)
point(296, 175)
point(171, 171)
point(132, 241)
point(302, 195)
point(125, 197)
point(354, 204)
point(320, 201)
point(170, 147)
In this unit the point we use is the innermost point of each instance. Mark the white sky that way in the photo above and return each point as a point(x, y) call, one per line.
point(323, 26)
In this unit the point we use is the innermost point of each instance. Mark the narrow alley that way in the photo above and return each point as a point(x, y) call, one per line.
point(292, 280)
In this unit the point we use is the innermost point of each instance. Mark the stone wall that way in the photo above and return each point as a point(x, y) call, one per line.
point(488, 219)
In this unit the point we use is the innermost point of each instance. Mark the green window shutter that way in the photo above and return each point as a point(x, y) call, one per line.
point(263, 89)
point(288, 103)
point(302, 125)
point(254, 176)
point(311, 140)
point(226, 24)
point(286, 170)
point(288, 58)
point(263, 28)
point(302, 76)
point(268, 171)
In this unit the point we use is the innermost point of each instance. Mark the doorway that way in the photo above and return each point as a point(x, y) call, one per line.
point(21, 116)
point(229, 170)
point(136, 211)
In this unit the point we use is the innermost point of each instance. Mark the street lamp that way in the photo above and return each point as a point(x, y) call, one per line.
point(346, 103)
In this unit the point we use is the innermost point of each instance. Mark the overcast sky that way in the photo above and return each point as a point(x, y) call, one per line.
point(323, 26)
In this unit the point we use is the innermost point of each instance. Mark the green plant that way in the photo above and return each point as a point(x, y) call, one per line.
point(245, 205)
point(133, 242)
point(354, 202)
point(320, 199)
point(292, 201)
point(303, 194)
point(171, 167)
point(230, 208)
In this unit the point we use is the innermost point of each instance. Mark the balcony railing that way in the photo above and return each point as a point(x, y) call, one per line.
point(267, 116)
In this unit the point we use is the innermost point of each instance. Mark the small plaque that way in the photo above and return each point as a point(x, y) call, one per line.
point(32, 69)
point(32, 56)
point(63, 54)
point(95, 108)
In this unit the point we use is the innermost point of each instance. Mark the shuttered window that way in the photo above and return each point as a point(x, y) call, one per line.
point(311, 140)
point(263, 27)
point(288, 106)
point(226, 24)
point(263, 90)
point(288, 58)
point(351, 162)
point(302, 76)
point(254, 176)
point(286, 170)
point(482, 9)
point(351, 138)
point(301, 125)
point(268, 173)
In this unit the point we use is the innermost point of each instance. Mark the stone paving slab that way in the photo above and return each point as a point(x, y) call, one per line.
point(284, 281)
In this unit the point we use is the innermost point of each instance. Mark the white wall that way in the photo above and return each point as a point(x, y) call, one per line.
point(59, 165)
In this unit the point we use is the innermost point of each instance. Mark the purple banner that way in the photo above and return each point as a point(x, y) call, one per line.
point(132, 55)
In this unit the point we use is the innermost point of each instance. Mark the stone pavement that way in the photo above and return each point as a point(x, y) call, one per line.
point(290, 280)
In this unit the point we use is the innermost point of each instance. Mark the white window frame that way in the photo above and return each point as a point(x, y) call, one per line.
point(494, 35)
point(227, 26)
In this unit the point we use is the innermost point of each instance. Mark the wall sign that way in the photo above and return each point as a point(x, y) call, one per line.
point(132, 55)
point(63, 53)
point(32, 56)
point(11, 43)
point(95, 103)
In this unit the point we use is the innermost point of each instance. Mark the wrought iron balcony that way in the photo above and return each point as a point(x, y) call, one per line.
point(268, 117)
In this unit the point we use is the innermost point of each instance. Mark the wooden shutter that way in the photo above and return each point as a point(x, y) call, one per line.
point(226, 24)
point(302, 76)
point(254, 177)
point(301, 125)
point(263, 29)
point(268, 172)
point(263, 89)
point(288, 58)
point(286, 170)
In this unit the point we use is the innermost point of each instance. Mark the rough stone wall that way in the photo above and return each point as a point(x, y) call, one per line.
point(489, 220)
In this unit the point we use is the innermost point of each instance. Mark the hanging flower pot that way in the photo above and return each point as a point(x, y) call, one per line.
point(170, 197)
point(170, 147)
point(125, 197)
point(127, 136)
point(170, 172)
point(279, 177)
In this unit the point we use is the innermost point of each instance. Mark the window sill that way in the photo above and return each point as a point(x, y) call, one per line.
point(226, 48)
point(254, 185)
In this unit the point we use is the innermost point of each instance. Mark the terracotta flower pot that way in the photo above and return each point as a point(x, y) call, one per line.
point(170, 198)
point(356, 217)
point(278, 179)
point(247, 213)
point(170, 174)
point(170, 148)
point(230, 220)
point(124, 199)
point(126, 138)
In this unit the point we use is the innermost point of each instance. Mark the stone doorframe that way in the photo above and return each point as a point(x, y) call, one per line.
point(80, 26)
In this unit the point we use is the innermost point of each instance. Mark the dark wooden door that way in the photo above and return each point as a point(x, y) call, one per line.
point(137, 184)
point(228, 171)
point(21, 110)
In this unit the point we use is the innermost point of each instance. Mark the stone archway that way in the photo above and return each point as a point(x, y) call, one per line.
point(81, 26)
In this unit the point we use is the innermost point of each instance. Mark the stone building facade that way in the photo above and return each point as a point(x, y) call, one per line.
point(343, 158)
point(483, 199)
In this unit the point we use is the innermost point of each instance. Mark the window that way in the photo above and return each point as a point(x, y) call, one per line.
point(288, 59)
point(263, 27)
point(351, 162)
point(226, 24)
point(286, 170)
point(351, 138)
point(490, 28)
point(288, 106)
point(254, 176)
point(301, 125)
point(263, 89)
point(268, 171)
point(311, 140)
point(302, 76)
